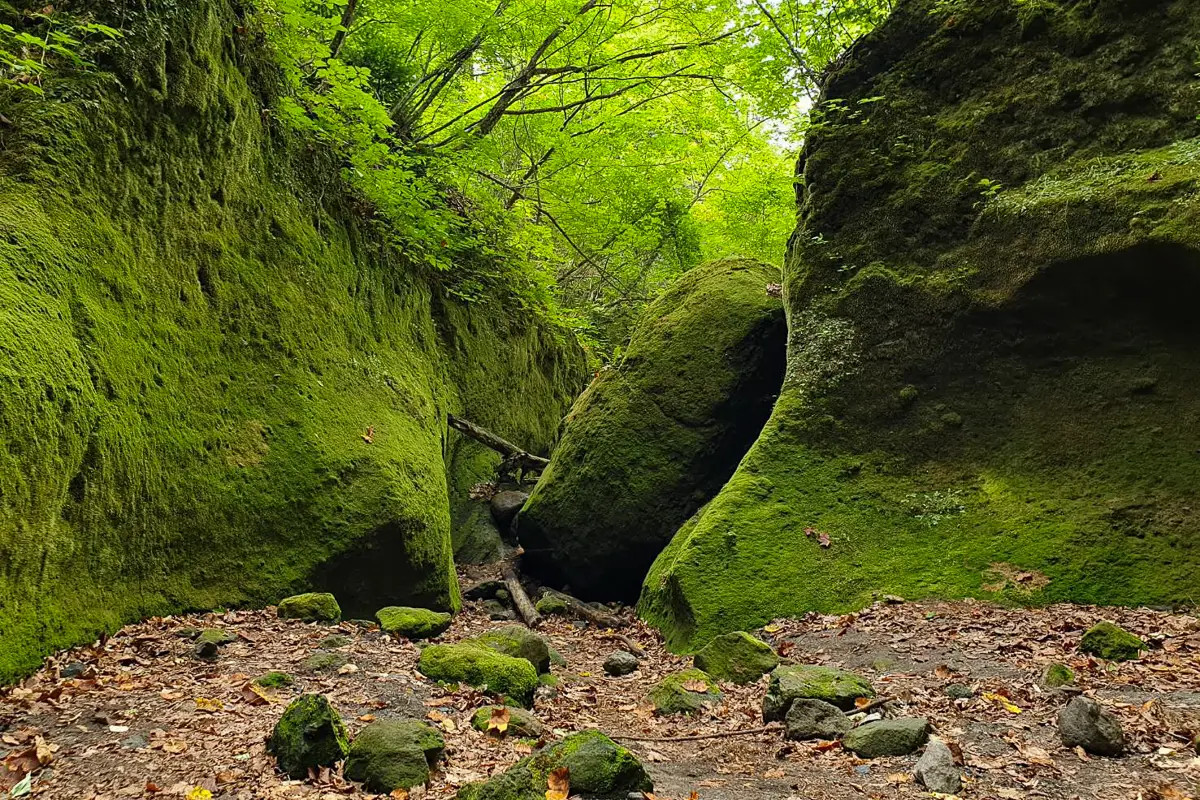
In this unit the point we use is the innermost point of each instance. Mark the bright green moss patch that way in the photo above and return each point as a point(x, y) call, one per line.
point(1057, 676)
point(480, 667)
point(552, 605)
point(519, 642)
point(736, 657)
point(310, 734)
point(686, 692)
point(215, 636)
point(310, 607)
point(275, 680)
point(794, 681)
point(413, 623)
point(1106, 640)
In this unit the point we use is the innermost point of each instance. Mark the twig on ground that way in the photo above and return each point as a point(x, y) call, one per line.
point(700, 736)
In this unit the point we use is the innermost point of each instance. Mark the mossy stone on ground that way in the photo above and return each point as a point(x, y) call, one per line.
point(685, 692)
point(597, 768)
point(946, 244)
point(815, 719)
point(324, 661)
point(1057, 676)
point(334, 642)
point(518, 641)
point(393, 754)
point(309, 734)
point(521, 723)
point(310, 607)
point(656, 436)
point(551, 605)
point(737, 657)
point(887, 737)
point(275, 680)
point(480, 667)
point(413, 623)
point(792, 681)
point(215, 636)
point(1109, 641)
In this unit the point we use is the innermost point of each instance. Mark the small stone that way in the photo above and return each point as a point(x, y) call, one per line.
point(310, 734)
point(187, 632)
point(521, 723)
point(1058, 675)
point(333, 642)
point(505, 506)
point(135, 742)
point(1084, 723)
point(936, 770)
point(551, 605)
point(815, 719)
point(1111, 642)
point(324, 661)
point(620, 663)
point(206, 650)
point(72, 670)
point(958, 691)
point(502, 596)
point(216, 636)
point(486, 590)
point(502, 616)
point(413, 623)
point(685, 692)
point(275, 680)
point(310, 607)
point(394, 754)
point(519, 642)
point(792, 681)
point(887, 737)
point(737, 657)
point(494, 606)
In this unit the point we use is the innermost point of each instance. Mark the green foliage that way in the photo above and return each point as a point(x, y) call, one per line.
point(40, 42)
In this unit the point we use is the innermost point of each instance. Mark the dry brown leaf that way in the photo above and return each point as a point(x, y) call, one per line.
point(209, 705)
point(255, 695)
point(499, 720)
point(559, 784)
point(696, 685)
point(399, 794)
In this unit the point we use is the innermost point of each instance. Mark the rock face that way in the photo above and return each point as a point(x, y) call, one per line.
point(310, 607)
point(887, 737)
point(481, 667)
point(310, 734)
point(989, 331)
point(393, 754)
point(597, 767)
point(413, 623)
point(684, 693)
point(737, 657)
point(1106, 640)
point(654, 438)
point(1084, 723)
point(199, 328)
point(793, 681)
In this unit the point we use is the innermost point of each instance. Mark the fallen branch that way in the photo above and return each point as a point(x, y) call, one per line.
point(630, 644)
point(582, 609)
point(700, 736)
point(513, 455)
point(521, 600)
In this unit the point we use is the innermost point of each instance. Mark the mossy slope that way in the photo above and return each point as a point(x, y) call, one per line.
point(655, 437)
point(992, 385)
point(197, 328)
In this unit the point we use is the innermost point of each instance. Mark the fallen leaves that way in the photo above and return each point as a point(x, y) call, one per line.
point(209, 705)
point(696, 685)
point(499, 719)
point(1002, 701)
point(558, 784)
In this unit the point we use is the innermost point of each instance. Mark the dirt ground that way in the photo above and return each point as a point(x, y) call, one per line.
point(146, 718)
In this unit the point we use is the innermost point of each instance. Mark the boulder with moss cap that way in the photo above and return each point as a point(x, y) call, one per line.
point(1109, 641)
point(519, 642)
point(686, 692)
point(310, 607)
point(793, 681)
point(480, 667)
point(309, 735)
point(412, 623)
point(394, 754)
point(737, 657)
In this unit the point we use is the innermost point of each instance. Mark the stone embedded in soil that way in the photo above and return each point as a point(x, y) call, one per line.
point(308, 735)
point(793, 681)
point(936, 770)
point(505, 506)
point(413, 623)
point(552, 605)
point(481, 667)
point(597, 767)
point(324, 661)
point(1058, 675)
point(737, 657)
point(887, 737)
point(1084, 723)
point(275, 680)
point(521, 723)
point(1111, 642)
point(815, 719)
point(394, 754)
point(310, 607)
point(333, 642)
point(72, 670)
point(958, 691)
point(620, 663)
point(216, 636)
point(685, 692)
point(519, 642)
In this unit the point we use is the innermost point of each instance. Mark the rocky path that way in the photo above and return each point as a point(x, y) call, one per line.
point(139, 715)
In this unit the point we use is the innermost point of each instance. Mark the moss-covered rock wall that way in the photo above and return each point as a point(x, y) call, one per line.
point(993, 383)
point(199, 333)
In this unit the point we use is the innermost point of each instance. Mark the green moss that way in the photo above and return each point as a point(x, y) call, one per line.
point(215, 636)
point(552, 605)
point(275, 680)
point(199, 328)
point(1106, 640)
point(480, 667)
point(519, 642)
point(656, 436)
point(309, 734)
point(413, 623)
point(1058, 675)
point(334, 642)
point(598, 767)
point(736, 657)
point(393, 754)
point(324, 661)
point(310, 607)
point(794, 681)
point(673, 695)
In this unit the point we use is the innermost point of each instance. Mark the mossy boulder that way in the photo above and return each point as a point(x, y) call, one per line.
point(657, 435)
point(687, 692)
point(275, 680)
point(324, 661)
point(519, 642)
point(215, 636)
point(552, 605)
point(737, 657)
point(393, 754)
point(1058, 675)
point(992, 343)
point(521, 723)
point(310, 607)
point(1109, 641)
point(413, 623)
point(481, 667)
point(597, 768)
point(793, 681)
point(887, 737)
point(308, 735)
